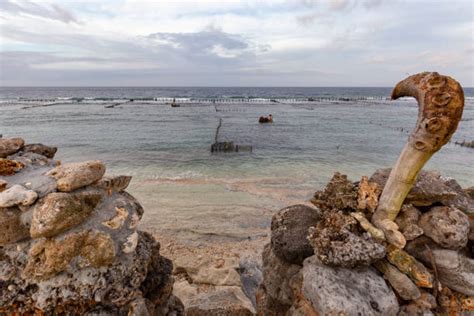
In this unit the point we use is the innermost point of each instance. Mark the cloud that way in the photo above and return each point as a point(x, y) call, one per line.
point(52, 12)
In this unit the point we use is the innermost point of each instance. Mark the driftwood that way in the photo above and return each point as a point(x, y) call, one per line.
point(441, 103)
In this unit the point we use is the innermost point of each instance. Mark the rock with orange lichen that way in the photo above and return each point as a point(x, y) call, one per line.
point(368, 195)
point(9, 167)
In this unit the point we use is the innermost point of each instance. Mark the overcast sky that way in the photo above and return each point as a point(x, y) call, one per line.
point(233, 43)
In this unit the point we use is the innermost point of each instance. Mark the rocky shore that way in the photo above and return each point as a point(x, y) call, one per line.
point(69, 242)
point(323, 260)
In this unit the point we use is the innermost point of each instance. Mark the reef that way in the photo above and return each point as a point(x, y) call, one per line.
point(69, 243)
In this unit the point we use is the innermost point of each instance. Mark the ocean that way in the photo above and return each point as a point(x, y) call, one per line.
point(193, 194)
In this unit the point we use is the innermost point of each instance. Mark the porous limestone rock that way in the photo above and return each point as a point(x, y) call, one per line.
point(9, 146)
point(339, 193)
point(251, 276)
point(447, 226)
point(73, 176)
point(59, 211)
point(290, 230)
point(58, 257)
point(334, 290)
point(17, 195)
point(228, 300)
point(336, 243)
point(40, 149)
point(368, 195)
point(12, 228)
point(9, 167)
point(421, 306)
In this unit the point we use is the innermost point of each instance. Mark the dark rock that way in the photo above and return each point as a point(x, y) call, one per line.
point(40, 149)
point(290, 230)
point(276, 278)
point(407, 221)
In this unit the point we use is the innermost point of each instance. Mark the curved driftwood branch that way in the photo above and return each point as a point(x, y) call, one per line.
point(441, 102)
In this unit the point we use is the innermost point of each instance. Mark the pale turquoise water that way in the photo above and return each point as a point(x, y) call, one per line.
point(189, 192)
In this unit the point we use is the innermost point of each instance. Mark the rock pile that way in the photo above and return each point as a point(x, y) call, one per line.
point(330, 260)
point(69, 242)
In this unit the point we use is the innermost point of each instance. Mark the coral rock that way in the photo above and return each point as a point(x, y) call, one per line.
point(368, 195)
point(48, 257)
point(9, 146)
point(17, 195)
point(12, 228)
point(58, 212)
point(339, 194)
point(447, 226)
point(335, 244)
point(289, 231)
point(9, 167)
point(335, 291)
point(40, 149)
point(73, 176)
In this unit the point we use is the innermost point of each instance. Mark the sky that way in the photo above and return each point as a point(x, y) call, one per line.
point(233, 43)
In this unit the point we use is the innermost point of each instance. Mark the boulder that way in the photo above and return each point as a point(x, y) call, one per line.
point(59, 211)
point(40, 149)
point(224, 301)
point(335, 291)
point(447, 226)
point(276, 280)
point(290, 230)
point(73, 176)
point(17, 195)
point(9, 146)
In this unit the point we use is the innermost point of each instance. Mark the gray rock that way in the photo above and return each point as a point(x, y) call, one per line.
point(250, 270)
point(407, 221)
point(431, 188)
point(447, 226)
point(40, 149)
point(73, 176)
point(455, 270)
point(9, 146)
point(332, 290)
point(224, 301)
point(17, 195)
point(290, 230)
point(276, 280)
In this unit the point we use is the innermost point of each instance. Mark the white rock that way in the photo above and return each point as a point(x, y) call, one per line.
point(17, 195)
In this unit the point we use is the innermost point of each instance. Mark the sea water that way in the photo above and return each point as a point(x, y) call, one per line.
point(191, 193)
